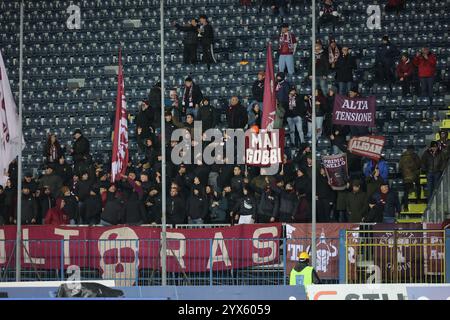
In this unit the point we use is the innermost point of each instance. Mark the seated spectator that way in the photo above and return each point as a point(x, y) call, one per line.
point(405, 72)
point(385, 58)
point(425, 61)
point(56, 215)
point(345, 66)
point(328, 14)
point(388, 200)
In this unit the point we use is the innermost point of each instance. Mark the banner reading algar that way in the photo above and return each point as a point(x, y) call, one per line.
point(354, 111)
point(367, 146)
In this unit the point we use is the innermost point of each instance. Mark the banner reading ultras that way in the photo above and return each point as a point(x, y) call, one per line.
point(264, 148)
point(354, 111)
point(367, 146)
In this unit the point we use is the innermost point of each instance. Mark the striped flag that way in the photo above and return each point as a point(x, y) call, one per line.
point(10, 126)
point(269, 101)
point(120, 143)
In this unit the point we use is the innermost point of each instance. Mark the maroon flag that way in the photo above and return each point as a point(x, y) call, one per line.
point(354, 111)
point(120, 143)
point(336, 170)
point(367, 146)
point(269, 101)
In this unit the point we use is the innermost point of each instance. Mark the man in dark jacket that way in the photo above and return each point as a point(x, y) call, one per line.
point(80, 152)
point(385, 57)
point(197, 206)
point(190, 41)
point(191, 97)
point(282, 88)
point(93, 206)
point(207, 115)
point(325, 197)
point(433, 165)
point(375, 212)
point(356, 203)
point(258, 88)
point(288, 201)
point(443, 144)
point(244, 211)
point(176, 207)
point(322, 67)
point(46, 201)
point(51, 180)
point(345, 66)
point(154, 97)
point(268, 206)
point(82, 191)
point(30, 182)
point(295, 113)
point(237, 116)
point(389, 201)
point(144, 123)
point(206, 37)
point(409, 167)
point(64, 171)
point(113, 213)
point(134, 211)
point(29, 208)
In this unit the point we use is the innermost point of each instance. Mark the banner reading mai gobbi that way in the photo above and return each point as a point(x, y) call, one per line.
point(336, 170)
point(354, 111)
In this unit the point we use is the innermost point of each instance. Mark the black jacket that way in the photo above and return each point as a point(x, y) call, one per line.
point(344, 68)
point(237, 117)
point(190, 34)
point(81, 150)
point(322, 65)
point(288, 203)
point(83, 189)
point(207, 36)
point(144, 120)
point(268, 204)
point(45, 202)
point(258, 90)
point(197, 96)
point(93, 205)
point(432, 163)
point(71, 206)
point(297, 109)
point(176, 210)
point(65, 172)
point(154, 97)
point(135, 210)
point(197, 206)
point(113, 212)
point(246, 206)
point(386, 54)
point(29, 209)
point(206, 114)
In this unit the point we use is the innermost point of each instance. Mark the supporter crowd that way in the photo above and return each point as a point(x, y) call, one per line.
point(80, 192)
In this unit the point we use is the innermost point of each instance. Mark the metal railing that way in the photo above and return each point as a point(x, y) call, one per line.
point(395, 256)
point(438, 208)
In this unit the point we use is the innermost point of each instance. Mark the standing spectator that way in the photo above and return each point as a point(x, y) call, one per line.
point(258, 89)
point(374, 182)
point(322, 67)
point(268, 206)
point(328, 14)
point(345, 66)
point(237, 116)
point(134, 210)
point(405, 71)
point(190, 41)
point(279, 7)
point(206, 36)
point(356, 203)
point(192, 96)
point(176, 213)
point(56, 215)
point(51, 180)
point(30, 182)
point(207, 115)
point(64, 171)
point(114, 212)
point(255, 116)
point(71, 205)
point(325, 197)
point(82, 192)
point(338, 138)
point(52, 149)
point(432, 164)
point(320, 107)
point(375, 212)
point(333, 54)
point(409, 167)
point(389, 201)
point(385, 57)
point(197, 206)
point(381, 164)
point(282, 90)
point(154, 97)
point(288, 201)
point(144, 122)
point(425, 61)
point(29, 208)
point(286, 50)
point(218, 208)
point(80, 152)
point(245, 210)
point(3, 218)
point(294, 116)
point(46, 202)
point(10, 192)
point(444, 144)
point(93, 206)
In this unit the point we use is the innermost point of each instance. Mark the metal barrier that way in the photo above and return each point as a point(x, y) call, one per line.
point(395, 256)
point(438, 208)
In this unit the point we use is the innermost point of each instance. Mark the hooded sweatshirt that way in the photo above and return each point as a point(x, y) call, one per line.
point(56, 216)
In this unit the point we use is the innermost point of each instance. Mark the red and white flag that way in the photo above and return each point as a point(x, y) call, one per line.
point(269, 100)
point(120, 143)
point(10, 141)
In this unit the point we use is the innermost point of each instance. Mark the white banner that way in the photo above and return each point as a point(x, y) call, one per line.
point(9, 120)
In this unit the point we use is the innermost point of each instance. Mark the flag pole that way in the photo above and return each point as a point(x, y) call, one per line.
point(19, 164)
point(313, 143)
point(163, 156)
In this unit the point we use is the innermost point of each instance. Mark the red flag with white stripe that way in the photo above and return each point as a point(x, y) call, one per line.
point(120, 143)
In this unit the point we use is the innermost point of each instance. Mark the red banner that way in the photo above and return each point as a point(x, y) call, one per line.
point(337, 170)
point(327, 246)
point(354, 111)
point(269, 100)
point(367, 146)
point(120, 251)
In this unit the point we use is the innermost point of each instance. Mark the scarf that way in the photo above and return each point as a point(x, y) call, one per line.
point(333, 54)
point(318, 55)
point(287, 38)
point(187, 96)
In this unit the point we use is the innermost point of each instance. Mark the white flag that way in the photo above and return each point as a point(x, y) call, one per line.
point(9, 120)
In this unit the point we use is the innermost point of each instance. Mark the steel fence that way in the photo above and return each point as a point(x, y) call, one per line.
point(395, 256)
